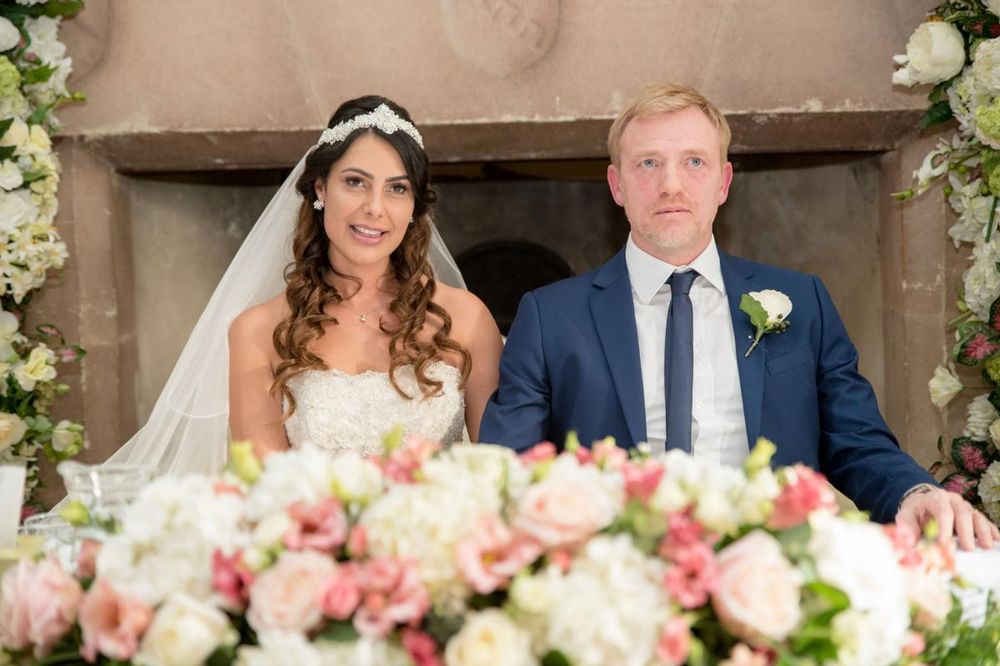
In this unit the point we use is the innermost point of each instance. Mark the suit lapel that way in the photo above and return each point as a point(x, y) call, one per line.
point(614, 318)
point(739, 280)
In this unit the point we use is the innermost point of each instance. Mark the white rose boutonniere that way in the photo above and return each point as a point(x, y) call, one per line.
point(934, 53)
point(768, 311)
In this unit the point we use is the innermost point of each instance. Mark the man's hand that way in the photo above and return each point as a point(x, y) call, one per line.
point(954, 516)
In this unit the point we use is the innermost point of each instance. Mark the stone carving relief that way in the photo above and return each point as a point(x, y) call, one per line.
point(500, 37)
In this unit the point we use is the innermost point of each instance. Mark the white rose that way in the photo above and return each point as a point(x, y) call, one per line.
point(67, 436)
point(38, 141)
point(986, 65)
point(184, 631)
point(16, 135)
point(278, 648)
point(10, 176)
point(15, 209)
point(775, 303)
point(533, 594)
point(489, 638)
point(935, 52)
point(271, 530)
point(943, 386)
point(37, 368)
point(356, 479)
point(12, 429)
point(9, 35)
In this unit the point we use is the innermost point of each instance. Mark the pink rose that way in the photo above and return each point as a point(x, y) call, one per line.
point(287, 596)
point(392, 594)
point(904, 540)
point(539, 453)
point(86, 558)
point(342, 594)
point(421, 648)
point(741, 655)
point(608, 455)
point(491, 554)
point(674, 644)
point(111, 622)
point(642, 479)
point(758, 592)
point(805, 491)
point(694, 575)
point(562, 512)
point(357, 541)
point(682, 532)
point(231, 579)
point(38, 605)
point(914, 645)
point(404, 461)
point(319, 526)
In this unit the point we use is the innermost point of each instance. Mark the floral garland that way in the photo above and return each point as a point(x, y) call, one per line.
point(958, 51)
point(33, 72)
point(473, 555)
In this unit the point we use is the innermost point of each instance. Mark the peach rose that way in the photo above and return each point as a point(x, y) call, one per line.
point(111, 622)
point(569, 506)
point(38, 605)
point(758, 591)
point(287, 596)
point(674, 643)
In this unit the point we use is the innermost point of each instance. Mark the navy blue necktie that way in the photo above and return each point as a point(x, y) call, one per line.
point(679, 361)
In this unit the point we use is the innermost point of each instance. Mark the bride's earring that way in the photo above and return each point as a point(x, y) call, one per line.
point(318, 204)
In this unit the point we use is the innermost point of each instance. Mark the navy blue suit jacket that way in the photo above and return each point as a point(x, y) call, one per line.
point(572, 363)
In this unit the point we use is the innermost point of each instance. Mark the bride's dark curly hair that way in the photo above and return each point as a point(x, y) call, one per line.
point(309, 290)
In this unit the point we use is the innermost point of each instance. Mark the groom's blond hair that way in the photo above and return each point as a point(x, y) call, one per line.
point(666, 98)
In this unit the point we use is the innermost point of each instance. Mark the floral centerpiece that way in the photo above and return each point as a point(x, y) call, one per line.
point(473, 555)
point(33, 72)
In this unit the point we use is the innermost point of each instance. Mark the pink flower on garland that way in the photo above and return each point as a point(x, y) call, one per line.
point(980, 347)
point(959, 484)
point(973, 458)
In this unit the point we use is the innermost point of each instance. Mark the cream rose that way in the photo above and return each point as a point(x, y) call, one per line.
point(16, 135)
point(935, 52)
point(9, 35)
point(37, 368)
point(776, 304)
point(38, 141)
point(943, 386)
point(286, 596)
point(489, 638)
point(12, 429)
point(185, 631)
point(10, 176)
point(759, 591)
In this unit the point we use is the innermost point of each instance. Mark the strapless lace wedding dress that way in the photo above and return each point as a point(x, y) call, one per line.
point(338, 412)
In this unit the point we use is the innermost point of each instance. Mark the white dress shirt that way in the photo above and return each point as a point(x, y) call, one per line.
point(718, 431)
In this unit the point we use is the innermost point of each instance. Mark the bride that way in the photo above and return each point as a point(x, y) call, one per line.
point(362, 335)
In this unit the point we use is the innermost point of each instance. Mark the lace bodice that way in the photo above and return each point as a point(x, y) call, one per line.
point(340, 412)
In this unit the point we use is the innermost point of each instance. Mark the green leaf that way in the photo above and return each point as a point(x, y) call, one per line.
point(555, 658)
point(339, 632)
point(32, 176)
point(940, 91)
point(5, 125)
point(834, 598)
point(39, 74)
point(7, 152)
point(938, 113)
point(753, 308)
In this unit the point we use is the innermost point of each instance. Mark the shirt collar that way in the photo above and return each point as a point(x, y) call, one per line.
point(648, 274)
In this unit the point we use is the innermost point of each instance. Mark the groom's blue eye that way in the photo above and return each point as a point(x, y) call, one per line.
point(696, 161)
point(648, 163)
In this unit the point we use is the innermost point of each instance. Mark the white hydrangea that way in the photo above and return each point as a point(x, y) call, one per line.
point(717, 493)
point(980, 416)
point(986, 65)
point(964, 96)
point(858, 559)
point(494, 471)
point(609, 607)
point(989, 491)
point(356, 481)
point(304, 474)
point(168, 536)
point(425, 521)
point(981, 281)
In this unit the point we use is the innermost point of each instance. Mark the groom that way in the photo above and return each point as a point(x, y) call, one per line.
point(599, 354)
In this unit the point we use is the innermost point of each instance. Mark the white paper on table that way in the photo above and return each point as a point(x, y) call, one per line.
point(11, 497)
point(981, 568)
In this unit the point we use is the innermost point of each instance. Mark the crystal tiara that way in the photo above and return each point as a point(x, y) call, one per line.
point(382, 117)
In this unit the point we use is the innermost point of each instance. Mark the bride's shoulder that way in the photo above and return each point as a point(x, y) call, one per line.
point(469, 315)
point(260, 320)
